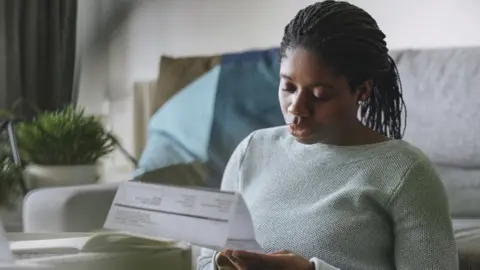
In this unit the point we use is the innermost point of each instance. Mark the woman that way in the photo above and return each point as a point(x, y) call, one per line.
point(330, 190)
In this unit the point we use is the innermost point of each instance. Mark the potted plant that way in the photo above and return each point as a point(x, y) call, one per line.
point(63, 147)
point(10, 191)
point(10, 175)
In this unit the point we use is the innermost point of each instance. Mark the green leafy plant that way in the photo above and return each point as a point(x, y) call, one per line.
point(10, 177)
point(64, 137)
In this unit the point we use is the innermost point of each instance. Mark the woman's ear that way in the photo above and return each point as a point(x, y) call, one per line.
point(364, 91)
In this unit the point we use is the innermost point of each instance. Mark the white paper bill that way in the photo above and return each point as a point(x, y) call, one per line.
point(203, 217)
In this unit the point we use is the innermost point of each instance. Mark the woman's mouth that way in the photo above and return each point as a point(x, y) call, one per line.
point(298, 127)
point(290, 119)
point(299, 131)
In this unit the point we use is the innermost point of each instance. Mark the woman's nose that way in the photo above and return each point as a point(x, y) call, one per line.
point(300, 105)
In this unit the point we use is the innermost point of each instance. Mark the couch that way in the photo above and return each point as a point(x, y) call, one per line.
point(442, 97)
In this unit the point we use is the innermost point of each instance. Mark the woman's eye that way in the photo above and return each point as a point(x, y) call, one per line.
point(289, 89)
point(320, 96)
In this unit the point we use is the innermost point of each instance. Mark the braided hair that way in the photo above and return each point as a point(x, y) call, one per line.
point(349, 40)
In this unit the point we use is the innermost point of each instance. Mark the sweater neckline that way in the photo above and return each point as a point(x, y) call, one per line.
point(336, 154)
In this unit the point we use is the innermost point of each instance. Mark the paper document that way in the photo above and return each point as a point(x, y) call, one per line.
point(203, 217)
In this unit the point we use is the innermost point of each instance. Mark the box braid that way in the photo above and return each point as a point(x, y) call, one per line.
point(350, 41)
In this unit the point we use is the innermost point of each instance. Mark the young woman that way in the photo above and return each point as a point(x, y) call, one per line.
point(336, 188)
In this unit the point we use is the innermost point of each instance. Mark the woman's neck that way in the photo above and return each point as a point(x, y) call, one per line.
point(357, 134)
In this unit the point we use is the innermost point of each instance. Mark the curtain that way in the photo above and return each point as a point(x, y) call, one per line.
point(40, 37)
point(3, 55)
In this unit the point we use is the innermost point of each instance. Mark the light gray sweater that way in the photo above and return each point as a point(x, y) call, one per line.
point(378, 206)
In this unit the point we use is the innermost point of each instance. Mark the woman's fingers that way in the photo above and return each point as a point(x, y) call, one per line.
point(242, 260)
point(238, 263)
point(280, 252)
point(224, 261)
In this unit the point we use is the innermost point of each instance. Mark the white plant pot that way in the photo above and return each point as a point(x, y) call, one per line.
point(39, 176)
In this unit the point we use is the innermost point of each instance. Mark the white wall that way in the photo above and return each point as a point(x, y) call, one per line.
point(189, 27)
point(183, 27)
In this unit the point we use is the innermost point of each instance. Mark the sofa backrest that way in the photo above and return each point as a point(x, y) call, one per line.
point(441, 91)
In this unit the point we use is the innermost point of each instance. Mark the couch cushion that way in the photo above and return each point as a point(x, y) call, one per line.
point(463, 190)
point(177, 135)
point(467, 233)
point(176, 73)
point(247, 100)
point(232, 100)
point(441, 89)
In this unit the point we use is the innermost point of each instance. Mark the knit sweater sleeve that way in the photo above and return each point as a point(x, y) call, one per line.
point(230, 182)
point(423, 231)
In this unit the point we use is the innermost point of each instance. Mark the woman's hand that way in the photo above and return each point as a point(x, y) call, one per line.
point(281, 260)
point(223, 262)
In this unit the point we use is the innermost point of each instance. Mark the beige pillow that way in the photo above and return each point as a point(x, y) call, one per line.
point(176, 73)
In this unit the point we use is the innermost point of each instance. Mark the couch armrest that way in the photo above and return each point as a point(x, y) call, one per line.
point(67, 209)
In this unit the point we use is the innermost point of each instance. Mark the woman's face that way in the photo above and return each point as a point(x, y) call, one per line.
point(317, 104)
